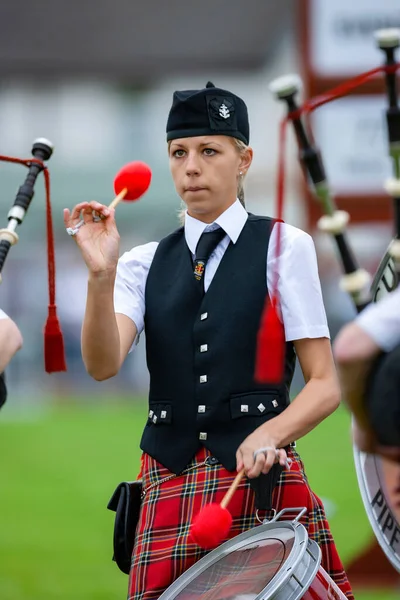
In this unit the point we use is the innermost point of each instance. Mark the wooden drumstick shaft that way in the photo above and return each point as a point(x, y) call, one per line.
point(228, 496)
point(118, 198)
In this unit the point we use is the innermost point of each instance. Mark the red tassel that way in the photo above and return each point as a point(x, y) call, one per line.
point(271, 344)
point(54, 357)
point(271, 347)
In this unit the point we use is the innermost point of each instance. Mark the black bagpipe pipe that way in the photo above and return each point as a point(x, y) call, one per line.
point(388, 42)
point(356, 281)
point(42, 150)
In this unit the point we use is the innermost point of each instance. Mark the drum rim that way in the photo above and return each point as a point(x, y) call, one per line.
point(383, 542)
point(360, 457)
point(300, 546)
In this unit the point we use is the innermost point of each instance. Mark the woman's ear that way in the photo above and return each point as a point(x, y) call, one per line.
point(246, 160)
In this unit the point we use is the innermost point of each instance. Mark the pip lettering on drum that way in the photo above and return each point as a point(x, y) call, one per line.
point(385, 280)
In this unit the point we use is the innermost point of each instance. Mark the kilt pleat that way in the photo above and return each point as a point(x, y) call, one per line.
point(162, 550)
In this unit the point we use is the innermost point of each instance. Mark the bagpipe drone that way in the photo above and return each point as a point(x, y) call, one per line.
point(42, 149)
point(357, 282)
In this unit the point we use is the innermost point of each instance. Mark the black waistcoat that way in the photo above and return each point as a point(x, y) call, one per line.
point(201, 351)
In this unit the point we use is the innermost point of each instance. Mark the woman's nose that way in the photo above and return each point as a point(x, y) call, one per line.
point(192, 164)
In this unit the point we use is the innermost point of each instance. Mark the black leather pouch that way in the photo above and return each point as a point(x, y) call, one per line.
point(125, 501)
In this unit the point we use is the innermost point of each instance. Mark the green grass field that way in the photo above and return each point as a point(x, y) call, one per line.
point(58, 469)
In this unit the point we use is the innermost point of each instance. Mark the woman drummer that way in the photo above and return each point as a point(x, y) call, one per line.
point(199, 295)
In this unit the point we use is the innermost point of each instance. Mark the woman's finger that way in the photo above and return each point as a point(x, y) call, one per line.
point(258, 465)
point(239, 460)
point(248, 459)
point(270, 459)
point(101, 209)
point(76, 212)
point(281, 457)
point(66, 217)
point(87, 214)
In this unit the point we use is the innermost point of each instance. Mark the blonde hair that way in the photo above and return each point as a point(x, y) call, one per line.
point(241, 147)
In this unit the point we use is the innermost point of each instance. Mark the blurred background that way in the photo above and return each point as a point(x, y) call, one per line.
point(97, 78)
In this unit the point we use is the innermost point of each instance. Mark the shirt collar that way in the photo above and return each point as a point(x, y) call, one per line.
point(231, 221)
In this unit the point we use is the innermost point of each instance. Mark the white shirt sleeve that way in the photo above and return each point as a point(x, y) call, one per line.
point(381, 321)
point(3, 315)
point(299, 287)
point(129, 291)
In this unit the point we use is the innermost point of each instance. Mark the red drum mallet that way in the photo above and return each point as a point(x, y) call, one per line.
point(131, 182)
point(212, 524)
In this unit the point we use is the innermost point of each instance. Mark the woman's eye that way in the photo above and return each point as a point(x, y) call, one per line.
point(179, 153)
point(209, 151)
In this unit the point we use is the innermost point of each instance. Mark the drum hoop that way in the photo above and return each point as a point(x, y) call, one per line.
point(278, 592)
point(301, 545)
point(360, 458)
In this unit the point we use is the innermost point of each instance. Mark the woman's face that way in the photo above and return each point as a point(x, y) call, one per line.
point(205, 170)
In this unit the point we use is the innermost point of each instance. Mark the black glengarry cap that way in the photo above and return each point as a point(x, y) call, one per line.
point(209, 111)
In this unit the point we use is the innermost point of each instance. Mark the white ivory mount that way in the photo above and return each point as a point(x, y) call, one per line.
point(286, 85)
point(335, 223)
point(355, 283)
point(9, 236)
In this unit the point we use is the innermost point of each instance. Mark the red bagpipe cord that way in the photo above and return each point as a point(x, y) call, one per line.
point(271, 347)
point(54, 354)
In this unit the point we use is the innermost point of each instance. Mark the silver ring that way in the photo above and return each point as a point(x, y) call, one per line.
point(96, 216)
point(74, 230)
point(264, 450)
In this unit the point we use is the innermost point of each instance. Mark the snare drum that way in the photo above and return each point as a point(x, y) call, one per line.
point(273, 561)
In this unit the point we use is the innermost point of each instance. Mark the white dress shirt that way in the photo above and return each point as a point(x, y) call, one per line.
point(299, 288)
point(3, 315)
point(381, 321)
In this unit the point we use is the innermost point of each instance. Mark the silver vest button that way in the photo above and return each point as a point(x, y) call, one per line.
point(204, 348)
point(201, 408)
point(244, 408)
point(203, 378)
point(203, 316)
point(202, 435)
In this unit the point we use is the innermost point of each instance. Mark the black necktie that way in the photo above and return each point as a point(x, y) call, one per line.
point(208, 241)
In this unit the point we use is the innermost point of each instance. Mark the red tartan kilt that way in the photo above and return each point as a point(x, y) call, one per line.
point(162, 550)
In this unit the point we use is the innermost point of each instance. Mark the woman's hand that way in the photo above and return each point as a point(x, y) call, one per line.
point(98, 238)
point(258, 453)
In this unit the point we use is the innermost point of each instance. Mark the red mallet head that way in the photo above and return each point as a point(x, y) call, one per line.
point(135, 178)
point(211, 526)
